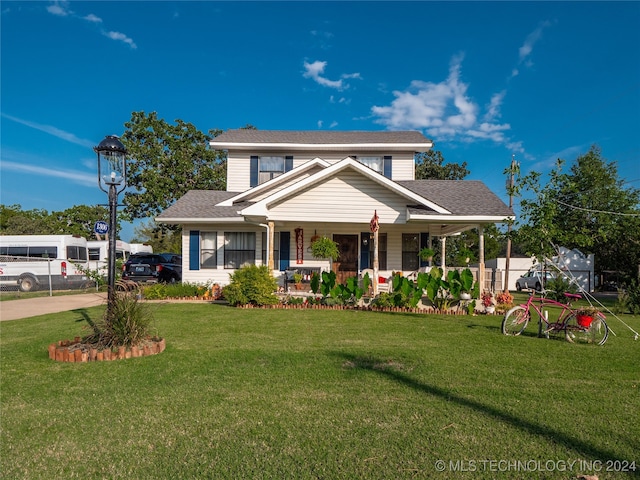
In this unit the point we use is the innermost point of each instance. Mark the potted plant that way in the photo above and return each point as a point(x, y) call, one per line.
point(488, 301)
point(297, 278)
point(466, 284)
point(324, 247)
point(585, 315)
point(426, 254)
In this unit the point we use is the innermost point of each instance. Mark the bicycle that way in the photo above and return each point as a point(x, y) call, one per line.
point(575, 330)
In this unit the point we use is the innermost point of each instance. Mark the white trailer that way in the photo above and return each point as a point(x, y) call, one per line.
point(140, 248)
point(32, 262)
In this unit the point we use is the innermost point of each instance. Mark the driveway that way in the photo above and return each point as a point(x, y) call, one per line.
point(30, 307)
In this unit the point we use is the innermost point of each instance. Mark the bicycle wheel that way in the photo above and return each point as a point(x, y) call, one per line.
point(596, 333)
point(515, 321)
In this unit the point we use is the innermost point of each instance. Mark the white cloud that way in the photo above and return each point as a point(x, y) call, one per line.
point(60, 9)
point(493, 109)
point(76, 177)
point(56, 132)
point(120, 37)
point(524, 52)
point(92, 18)
point(315, 72)
point(444, 110)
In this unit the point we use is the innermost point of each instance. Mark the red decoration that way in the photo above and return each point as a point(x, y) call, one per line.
point(299, 246)
point(374, 224)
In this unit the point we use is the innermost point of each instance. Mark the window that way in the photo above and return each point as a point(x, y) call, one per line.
point(239, 249)
point(270, 167)
point(375, 163)
point(276, 249)
point(410, 249)
point(33, 252)
point(208, 249)
point(264, 168)
point(379, 164)
point(94, 254)
point(74, 252)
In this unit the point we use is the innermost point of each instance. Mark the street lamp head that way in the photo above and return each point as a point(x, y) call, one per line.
point(111, 163)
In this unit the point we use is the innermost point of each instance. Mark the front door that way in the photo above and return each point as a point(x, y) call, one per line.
point(347, 264)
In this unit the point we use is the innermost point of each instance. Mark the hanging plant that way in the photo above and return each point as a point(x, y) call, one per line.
point(324, 247)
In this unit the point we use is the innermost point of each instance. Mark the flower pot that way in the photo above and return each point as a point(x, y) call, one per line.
point(465, 296)
point(490, 309)
point(584, 320)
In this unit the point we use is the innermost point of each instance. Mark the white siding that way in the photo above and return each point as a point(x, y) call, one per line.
point(348, 198)
point(238, 164)
point(220, 275)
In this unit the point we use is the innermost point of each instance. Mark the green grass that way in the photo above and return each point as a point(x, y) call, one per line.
point(318, 394)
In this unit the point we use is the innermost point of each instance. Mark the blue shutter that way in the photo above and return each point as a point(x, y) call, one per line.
point(387, 166)
point(365, 248)
point(424, 242)
point(285, 250)
point(253, 179)
point(288, 163)
point(194, 249)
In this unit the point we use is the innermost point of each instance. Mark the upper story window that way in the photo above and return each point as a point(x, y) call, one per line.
point(375, 163)
point(264, 168)
point(381, 164)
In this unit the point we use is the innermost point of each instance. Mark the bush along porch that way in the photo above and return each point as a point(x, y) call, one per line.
point(430, 292)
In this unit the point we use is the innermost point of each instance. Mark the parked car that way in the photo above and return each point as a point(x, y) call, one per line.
point(533, 279)
point(153, 267)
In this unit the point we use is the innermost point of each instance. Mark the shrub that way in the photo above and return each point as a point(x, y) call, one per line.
point(126, 322)
point(557, 287)
point(629, 299)
point(251, 284)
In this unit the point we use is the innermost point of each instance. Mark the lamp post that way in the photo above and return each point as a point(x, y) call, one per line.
point(112, 179)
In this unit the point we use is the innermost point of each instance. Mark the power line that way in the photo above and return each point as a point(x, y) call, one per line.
point(590, 210)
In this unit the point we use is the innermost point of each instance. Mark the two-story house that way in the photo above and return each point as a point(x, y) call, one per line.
point(286, 188)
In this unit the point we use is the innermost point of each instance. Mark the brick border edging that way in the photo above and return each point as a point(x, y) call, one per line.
point(77, 352)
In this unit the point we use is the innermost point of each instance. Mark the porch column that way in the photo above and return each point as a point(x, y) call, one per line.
point(271, 235)
point(443, 254)
point(481, 257)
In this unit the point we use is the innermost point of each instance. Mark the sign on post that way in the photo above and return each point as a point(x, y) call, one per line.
point(101, 228)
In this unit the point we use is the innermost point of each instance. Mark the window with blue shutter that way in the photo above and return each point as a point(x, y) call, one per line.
point(288, 163)
point(253, 179)
point(285, 250)
point(194, 250)
point(387, 166)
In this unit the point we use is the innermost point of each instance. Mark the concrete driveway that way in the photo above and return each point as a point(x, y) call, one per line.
point(30, 307)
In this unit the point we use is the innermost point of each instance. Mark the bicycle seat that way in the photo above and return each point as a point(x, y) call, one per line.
point(572, 296)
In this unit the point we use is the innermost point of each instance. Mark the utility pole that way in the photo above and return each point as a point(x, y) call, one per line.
point(510, 185)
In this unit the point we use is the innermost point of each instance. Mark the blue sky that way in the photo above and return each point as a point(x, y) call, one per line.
point(483, 80)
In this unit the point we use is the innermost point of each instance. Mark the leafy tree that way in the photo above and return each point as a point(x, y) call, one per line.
point(77, 220)
point(166, 161)
point(161, 237)
point(431, 164)
point(587, 208)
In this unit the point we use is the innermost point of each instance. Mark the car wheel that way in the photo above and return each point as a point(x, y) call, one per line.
point(27, 283)
point(538, 286)
point(518, 287)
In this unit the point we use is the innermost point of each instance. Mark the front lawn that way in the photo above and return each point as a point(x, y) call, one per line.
point(319, 394)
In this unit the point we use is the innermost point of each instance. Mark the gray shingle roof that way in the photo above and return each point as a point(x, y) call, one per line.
point(320, 137)
point(460, 197)
point(201, 204)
